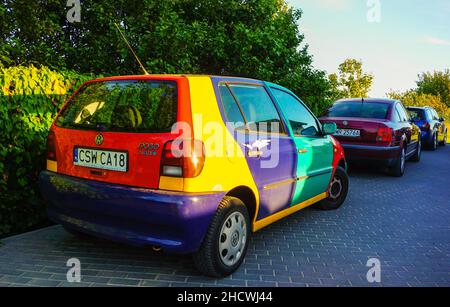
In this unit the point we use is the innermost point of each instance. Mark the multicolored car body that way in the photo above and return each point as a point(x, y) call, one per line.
point(188, 164)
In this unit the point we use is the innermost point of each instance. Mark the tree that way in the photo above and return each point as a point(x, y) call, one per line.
point(436, 83)
point(4, 53)
point(414, 99)
point(249, 38)
point(337, 93)
point(351, 81)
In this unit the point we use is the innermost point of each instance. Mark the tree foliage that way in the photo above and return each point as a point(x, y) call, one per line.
point(352, 81)
point(29, 100)
point(436, 83)
point(415, 99)
point(249, 38)
point(432, 90)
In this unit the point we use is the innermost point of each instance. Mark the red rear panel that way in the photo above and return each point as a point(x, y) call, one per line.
point(368, 129)
point(144, 150)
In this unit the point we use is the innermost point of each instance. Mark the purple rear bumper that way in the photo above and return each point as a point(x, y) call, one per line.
point(176, 222)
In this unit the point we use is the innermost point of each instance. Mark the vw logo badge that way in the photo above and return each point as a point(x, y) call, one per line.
point(345, 123)
point(99, 139)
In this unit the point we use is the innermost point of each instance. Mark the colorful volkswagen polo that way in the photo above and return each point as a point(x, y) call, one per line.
point(188, 164)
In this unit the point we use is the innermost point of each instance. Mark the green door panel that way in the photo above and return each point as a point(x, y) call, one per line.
point(314, 151)
point(314, 167)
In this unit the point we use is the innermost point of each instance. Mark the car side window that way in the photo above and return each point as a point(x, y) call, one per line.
point(258, 108)
point(303, 123)
point(401, 112)
point(435, 115)
point(397, 116)
point(231, 109)
point(431, 114)
point(405, 113)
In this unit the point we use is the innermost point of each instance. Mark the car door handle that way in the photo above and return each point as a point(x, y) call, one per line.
point(254, 154)
point(302, 151)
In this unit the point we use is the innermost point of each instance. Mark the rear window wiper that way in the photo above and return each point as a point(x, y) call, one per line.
point(100, 127)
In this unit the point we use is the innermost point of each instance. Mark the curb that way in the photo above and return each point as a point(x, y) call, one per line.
point(19, 236)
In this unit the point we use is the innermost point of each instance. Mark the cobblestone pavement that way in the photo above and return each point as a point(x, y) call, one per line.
point(404, 222)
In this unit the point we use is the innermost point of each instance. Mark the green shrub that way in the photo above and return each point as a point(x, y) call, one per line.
point(30, 97)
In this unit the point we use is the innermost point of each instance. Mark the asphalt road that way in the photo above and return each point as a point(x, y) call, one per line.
point(402, 222)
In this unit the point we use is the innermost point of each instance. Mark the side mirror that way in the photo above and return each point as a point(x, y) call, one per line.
point(329, 128)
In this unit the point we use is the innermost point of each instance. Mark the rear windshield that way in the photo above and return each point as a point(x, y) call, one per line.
point(123, 106)
point(417, 114)
point(359, 109)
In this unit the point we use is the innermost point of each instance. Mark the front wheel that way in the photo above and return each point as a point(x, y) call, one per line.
point(226, 241)
point(337, 192)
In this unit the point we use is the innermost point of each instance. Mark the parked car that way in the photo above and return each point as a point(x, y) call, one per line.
point(129, 159)
point(376, 131)
point(434, 131)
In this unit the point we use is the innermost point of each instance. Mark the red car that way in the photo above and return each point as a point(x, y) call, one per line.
point(376, 131)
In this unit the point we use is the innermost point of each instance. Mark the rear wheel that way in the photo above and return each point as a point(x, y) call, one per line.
point(444, 142)
point(337, 193)
point(434, 142)
point(226, 241)
point(418, 154)
point(398, 170)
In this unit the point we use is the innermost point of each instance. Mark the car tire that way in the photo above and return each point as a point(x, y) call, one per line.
point(444, 142)
point(337, 192)
point(398, 170)
point(229, 230)
point(434, 142)
point(416, 157)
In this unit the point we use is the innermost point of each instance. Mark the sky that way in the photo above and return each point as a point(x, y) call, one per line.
point(409, 37)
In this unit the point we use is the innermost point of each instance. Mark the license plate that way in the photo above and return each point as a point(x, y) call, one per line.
point(101, 159)
point(348, 133)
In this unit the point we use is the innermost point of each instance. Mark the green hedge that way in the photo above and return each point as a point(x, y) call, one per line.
point(30, 97)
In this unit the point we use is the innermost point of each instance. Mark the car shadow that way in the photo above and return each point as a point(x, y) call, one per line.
point(366, 170)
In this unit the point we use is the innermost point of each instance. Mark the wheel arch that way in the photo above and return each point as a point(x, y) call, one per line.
point(342, 163)
point(246, 195)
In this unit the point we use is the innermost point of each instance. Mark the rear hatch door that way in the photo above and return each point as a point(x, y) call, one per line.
point(114, 130)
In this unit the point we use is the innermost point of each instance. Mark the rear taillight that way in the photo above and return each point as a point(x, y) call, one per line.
point(385, 135)
point(51, 146)
point(183, 159)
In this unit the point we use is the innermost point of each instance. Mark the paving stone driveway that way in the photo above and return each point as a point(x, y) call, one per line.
point(405, 223)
